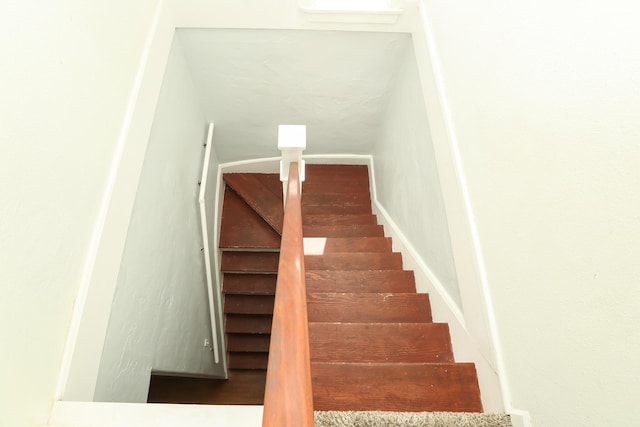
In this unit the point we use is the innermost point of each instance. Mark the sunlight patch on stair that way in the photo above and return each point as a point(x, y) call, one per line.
point(314, 245)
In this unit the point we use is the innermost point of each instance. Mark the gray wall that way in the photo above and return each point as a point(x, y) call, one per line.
point(160, 316)
point(407, 176)
point(251, 81)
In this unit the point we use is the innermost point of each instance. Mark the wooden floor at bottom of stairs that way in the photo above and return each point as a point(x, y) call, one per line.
point(244, 387)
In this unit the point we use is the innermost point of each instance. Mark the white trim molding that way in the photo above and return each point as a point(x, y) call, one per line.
point(211, 290)
point(115, 414)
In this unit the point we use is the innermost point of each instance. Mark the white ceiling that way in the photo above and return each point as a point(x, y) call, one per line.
point(250, 81)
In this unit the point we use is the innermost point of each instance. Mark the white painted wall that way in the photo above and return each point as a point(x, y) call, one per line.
point(250, 81)
point(406, 174)
point(66, 77)
point(160, 316)
point(544, 101)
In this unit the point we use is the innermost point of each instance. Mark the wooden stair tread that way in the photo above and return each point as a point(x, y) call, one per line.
point(345, 199)
point(368, 307)
point(249, 283)
point(241, 227)
point(339, 219)
point(354, 261)
point(336, 187)
point(251, 343)
point(324, 245)
point(369, 230)
point(324, 173)
point(395, 387)
point(248, 323)
point(272, 182)
point(249, 262)
point(248, 304)
point(259, 196)
point(244, 387)
point(372, 281)
point(361, 209)
point(380, 342)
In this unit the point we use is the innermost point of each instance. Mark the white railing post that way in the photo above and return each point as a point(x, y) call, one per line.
point(292, 140)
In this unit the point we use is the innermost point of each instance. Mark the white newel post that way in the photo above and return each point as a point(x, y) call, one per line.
point(292, 140)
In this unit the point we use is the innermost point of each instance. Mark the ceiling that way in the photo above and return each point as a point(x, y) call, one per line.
point(250, 81)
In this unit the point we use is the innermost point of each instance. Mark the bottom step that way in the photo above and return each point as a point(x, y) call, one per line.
point(409, 419)
point(244, 387)
point(407, 387)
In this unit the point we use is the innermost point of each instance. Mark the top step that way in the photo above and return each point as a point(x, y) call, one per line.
point(332, 173)
point(259, 196)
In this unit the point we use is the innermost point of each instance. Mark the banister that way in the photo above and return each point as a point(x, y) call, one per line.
point(288, 400)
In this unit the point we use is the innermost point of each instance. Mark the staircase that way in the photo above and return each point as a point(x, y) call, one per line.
point(372, 340)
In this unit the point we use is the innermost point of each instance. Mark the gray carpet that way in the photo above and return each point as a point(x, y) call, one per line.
point(409, 419)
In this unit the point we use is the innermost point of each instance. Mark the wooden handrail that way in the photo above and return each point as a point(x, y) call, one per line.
point(288, 400)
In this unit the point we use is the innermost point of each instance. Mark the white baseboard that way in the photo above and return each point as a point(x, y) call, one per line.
point(520, 418)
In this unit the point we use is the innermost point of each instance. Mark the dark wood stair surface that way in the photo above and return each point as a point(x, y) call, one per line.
point(248, 323)
point(241, 227)
point(395, 387)
point(244, 387)
point(249, 283)
point(373, 281)
point(250, 262)
point(259, 196)
point(373, 344)
point(380, 342)
point(357, 307)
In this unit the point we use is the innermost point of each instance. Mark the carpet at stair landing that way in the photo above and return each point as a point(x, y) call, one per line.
point(409, 419)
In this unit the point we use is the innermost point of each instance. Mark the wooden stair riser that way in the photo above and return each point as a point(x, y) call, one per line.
point(248, 323)
point(365, 307)
point(248, 343)
point(248, 361)
point(248, 304)
point(249, 262)
point(395, 387)
point(380, 342)
point(249, 284)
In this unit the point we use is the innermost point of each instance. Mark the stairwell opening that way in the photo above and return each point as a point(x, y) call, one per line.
point(352, 89)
